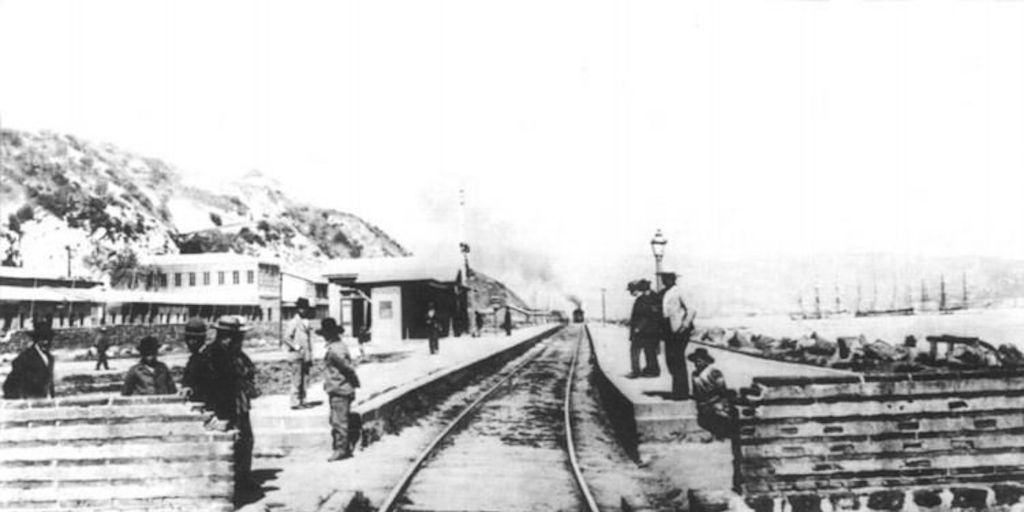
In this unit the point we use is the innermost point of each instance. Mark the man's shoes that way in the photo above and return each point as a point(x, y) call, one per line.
point(648, 372)
point(339, 455)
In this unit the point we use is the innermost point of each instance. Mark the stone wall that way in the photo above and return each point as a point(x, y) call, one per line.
point(953, 440)
point(128, 335)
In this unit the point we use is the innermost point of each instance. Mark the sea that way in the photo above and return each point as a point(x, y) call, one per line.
point(996, 326)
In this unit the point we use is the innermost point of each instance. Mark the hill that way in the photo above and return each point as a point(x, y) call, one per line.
point(63, 198)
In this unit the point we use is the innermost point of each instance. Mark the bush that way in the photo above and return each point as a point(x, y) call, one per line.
point(25, 213)
point(216, 219)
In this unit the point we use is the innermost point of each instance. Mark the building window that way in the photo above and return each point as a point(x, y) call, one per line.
point(163, 280)
point(250, 276)
point(220, 277)
point(206, 279)
point(191, 278)
point(177, 279)
point(270, 314)
point(385, 309)
point(235, 277)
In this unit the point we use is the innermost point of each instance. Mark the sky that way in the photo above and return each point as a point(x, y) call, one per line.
point(742, 129)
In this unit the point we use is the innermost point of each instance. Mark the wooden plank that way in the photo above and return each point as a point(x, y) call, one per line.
point(131, 470)
point(883, 408)
point(100, 411)
point(89, 401)
point(916, 386)
point(181, 488)
point(163, 451)
point(776, 468)
point(953, 422)
point(108, 431)
point(909, 446)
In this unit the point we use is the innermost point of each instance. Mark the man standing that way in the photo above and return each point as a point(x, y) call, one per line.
point(232, 387)
point(644, 329)
point(433, 324)
point(299, 340)
point(32, 371)
point(149, 376)
point(195, 380)
point(102, 345)
point(479, 322)
point(679, 325)
point(340, 383)
point(507, 324)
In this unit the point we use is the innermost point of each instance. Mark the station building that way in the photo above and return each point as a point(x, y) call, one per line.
point(320, 293)
point(390, 296)
point(25, 295)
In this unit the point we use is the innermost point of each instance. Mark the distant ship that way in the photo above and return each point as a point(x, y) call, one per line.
point(893, 310)
point(945, 307)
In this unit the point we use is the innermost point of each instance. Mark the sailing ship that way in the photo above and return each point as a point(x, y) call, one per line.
point(893, 310)
point(945, 307)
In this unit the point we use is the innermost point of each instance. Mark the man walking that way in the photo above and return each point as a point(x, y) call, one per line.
point(340, 383)
point(434, 328)
point(149, 376)
point(679, 325)
point(102, 345)
point(232, 387)
point(32, 371)
point(299, 340)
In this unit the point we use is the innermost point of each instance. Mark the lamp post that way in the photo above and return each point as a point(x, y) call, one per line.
point(658, 248)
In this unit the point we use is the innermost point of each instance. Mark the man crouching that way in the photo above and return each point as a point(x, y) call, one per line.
point(340, 383)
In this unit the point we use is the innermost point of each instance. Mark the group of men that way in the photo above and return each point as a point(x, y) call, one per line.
point(656, 317)
point(665, 317)
point(218, 375)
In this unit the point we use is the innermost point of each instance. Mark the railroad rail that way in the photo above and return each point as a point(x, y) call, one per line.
point(511, 427)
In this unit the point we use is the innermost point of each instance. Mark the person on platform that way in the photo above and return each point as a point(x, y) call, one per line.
point(102, 345)
point(340, 383)
point(434, 328)
point(644, 329)
point(232, 388)
point(507, 324)
point(299, 341)
point(711, 395)
point(149, 376)
point(195, 379)
point(32, 371)
point(479, 318)
point(678, 325)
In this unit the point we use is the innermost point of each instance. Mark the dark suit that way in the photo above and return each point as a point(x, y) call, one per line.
point(31, 375)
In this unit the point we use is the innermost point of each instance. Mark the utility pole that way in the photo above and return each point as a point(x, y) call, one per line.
point(604, 318)
point(68, 249)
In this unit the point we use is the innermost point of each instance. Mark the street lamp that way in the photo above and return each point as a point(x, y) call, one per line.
point(658, 248)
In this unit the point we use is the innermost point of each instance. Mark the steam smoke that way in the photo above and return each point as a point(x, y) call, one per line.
point(575, 300)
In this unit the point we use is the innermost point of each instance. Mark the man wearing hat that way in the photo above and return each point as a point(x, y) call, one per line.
point(194, 381)
point(711, 395)
point(232, 388)
point(340, 383)
point(679, 324)
point(102, 345)
point(644, 329)
point(298, 339)
point(149, 376)
point(32, 371)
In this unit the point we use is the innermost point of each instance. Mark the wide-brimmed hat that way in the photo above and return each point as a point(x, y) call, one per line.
point(701, 354)
point(329, 326)
point(642, 285)
point(631, 286)
point(231, 323)
point(301, 303)
point(148, 346)
point(196, 327)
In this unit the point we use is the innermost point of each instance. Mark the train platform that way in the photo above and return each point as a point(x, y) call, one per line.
point(656, 417)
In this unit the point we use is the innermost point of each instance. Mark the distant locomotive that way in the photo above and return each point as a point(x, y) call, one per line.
point(577, 316)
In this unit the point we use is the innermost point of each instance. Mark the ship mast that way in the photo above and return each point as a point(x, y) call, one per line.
point(817, 302)
point(964, 280)
point(942, 293)
point(924, 295)
point(839, 303)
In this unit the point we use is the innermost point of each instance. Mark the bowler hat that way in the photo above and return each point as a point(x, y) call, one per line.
point(301, 303)
point(148, 346)
point(701, 354)
point(643, 285)
point(42, 328)
point(231, 323)
point(631, 286)
point(195, 327)
point(329, 326)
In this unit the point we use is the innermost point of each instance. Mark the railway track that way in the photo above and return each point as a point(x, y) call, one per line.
point(511, 449)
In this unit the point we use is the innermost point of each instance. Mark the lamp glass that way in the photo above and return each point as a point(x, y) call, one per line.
point(658, 244)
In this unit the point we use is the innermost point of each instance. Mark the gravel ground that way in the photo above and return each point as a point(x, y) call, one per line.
point(304, 481)
point(618, 483)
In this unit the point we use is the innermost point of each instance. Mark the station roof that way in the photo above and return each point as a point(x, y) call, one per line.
point(112, 296)
point(395, 270)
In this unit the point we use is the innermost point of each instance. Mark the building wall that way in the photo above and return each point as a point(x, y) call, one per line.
point(226, 275)
point(387, 313)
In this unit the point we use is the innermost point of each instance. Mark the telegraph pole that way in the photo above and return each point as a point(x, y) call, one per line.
point(604, 318)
